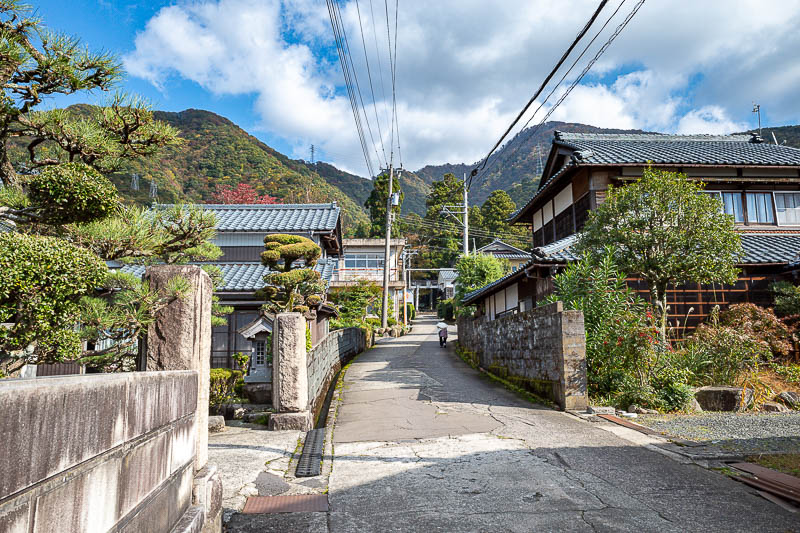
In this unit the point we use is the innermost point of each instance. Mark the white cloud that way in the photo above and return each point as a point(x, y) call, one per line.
point(708, 119)
point(465, 68)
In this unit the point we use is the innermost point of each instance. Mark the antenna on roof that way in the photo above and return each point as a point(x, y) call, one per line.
point(134, 182)
point(774, 138)
point(757, 109)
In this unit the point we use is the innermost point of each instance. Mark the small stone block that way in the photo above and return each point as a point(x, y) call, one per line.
point(601, 410)
point(283, 421)
point(216, 424)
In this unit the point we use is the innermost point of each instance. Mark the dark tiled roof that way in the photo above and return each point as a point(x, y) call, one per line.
point(557, 252)
point(659, 149)
point(245, 276)
point(275, 218)
point(770, 248)
point(616, 149)
point(507, 255)
point(447, 275)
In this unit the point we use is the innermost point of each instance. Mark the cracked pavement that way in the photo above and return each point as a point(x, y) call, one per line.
point(424, 443)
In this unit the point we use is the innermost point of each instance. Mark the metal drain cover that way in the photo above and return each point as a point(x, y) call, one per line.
point(299, 503)
point(310, 462)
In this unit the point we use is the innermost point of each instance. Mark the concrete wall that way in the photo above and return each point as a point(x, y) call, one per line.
point(327, 358)
point(105, 452)
point(543, 349)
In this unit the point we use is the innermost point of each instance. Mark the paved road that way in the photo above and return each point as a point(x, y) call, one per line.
point(424, 443)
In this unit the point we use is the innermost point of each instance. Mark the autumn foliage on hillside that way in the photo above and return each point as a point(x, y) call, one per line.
point(243, 193)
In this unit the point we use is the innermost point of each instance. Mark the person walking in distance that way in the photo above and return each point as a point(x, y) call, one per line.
point(443, 337)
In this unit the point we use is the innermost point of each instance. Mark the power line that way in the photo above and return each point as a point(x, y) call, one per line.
point(355, 77)
point(369, 75)
point(488, 168)
point(380, 66)
point(586, 69)
point(336, 27)
point(544, 83)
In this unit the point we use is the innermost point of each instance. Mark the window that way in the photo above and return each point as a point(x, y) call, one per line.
point(787, 204)
point(372, 261)
point(261, 351)
point(759, 208)
point(731, 204)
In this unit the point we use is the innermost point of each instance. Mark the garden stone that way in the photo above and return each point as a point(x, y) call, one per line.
point(774, 407)
point(724, 398)
point(641, 410)
point(792, 399)
point(258, 392)
point(216, 424)
point(238, 413)
point(694, 406)
point(600, 410)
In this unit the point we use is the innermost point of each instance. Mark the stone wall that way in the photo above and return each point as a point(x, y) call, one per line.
point(99, 452)
point(543, 350)
point(327, 358)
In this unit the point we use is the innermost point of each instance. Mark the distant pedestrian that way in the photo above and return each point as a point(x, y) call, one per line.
point(443, 337)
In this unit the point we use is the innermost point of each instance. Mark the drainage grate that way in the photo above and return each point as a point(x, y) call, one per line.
point(314, 503)
point(310, 461)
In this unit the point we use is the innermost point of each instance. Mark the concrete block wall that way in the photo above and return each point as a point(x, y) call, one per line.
point(96, 453)
point(544, 349)
point(327, 358)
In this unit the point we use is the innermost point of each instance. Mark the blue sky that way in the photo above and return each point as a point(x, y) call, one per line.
point(463, 68)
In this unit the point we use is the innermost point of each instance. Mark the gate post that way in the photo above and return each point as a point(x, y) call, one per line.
point(290, 373)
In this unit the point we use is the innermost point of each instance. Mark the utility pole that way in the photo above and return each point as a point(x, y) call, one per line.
point(466, 217)
point(387, 252)
point(757, 110)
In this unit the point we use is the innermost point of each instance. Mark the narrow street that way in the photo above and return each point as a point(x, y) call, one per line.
point(424, 443)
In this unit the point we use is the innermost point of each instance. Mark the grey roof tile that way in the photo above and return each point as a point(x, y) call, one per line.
point(660, 149)
point(275, 218)
point(247, 277)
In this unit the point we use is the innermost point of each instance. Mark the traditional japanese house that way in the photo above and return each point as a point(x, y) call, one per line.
point(758, 184)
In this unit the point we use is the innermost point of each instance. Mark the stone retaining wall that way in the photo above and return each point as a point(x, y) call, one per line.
point(327, 358)
point(105, 452)
point(543, 350)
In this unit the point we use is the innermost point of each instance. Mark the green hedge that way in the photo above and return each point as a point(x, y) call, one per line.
point(223, 385)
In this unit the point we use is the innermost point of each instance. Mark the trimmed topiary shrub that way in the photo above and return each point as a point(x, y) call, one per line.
point(72, 192)
point(222, 385)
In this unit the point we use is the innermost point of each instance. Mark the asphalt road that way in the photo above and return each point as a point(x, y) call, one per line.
point(424, 443)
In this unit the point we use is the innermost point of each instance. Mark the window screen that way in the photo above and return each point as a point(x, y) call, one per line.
point(788, 206)
point(759, 208)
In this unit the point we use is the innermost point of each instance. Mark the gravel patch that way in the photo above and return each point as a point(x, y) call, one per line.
point(737, 433)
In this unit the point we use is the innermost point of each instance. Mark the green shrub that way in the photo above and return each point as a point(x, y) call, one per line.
point(72, 192)
point(760, 324)
point(43, 302)
point(790, 373)
point(411, 312)
point(445, 310)
point(787, 298)
point(719, 355)
point(241, 360)
point(222, 385)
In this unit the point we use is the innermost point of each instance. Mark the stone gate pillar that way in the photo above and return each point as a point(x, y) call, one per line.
point(180, 339)
point(289, 373)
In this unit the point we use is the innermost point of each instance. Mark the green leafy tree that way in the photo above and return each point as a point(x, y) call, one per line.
point(376, 205)
point(38, 63)
point(64, 217)
point(664, 230)
point(355, 301)
point(477, 270)
point(495, 212)
point(290, 288)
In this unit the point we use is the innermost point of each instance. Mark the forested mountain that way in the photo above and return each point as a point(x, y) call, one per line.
point(216, 151)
